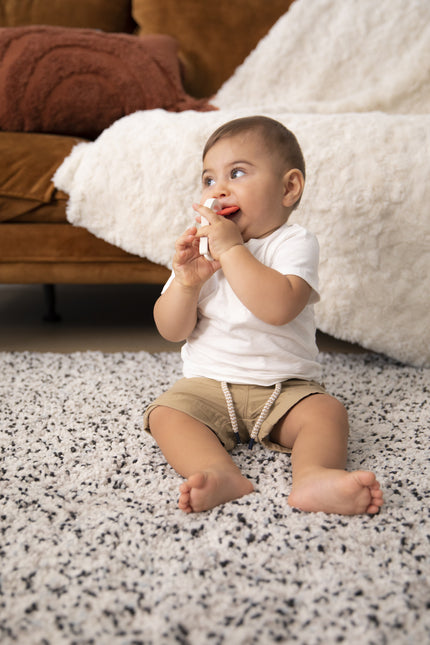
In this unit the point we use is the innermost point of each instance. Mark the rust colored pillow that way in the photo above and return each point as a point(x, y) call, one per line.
point(79, 81)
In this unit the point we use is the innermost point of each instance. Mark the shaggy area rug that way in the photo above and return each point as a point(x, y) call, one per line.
point(94, 550)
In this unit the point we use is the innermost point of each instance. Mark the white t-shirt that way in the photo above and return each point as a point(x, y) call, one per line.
point(230, 344)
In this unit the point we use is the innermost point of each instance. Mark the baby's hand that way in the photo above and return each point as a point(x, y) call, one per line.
point(222, 232)
point(191, 268)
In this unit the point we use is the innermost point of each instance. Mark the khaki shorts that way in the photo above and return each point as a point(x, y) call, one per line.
point(203, 399)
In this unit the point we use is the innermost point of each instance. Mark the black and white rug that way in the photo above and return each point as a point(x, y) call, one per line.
point(94, 551)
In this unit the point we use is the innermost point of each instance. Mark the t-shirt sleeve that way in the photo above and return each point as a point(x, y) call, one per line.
point(167, 285)
point(298, 254)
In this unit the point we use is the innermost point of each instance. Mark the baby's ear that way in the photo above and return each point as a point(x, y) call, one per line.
point(294, 183)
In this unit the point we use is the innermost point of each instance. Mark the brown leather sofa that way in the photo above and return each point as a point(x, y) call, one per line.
point(37, 244)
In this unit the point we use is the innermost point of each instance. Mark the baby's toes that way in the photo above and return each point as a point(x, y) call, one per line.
point(184, 503)
point(184, 487)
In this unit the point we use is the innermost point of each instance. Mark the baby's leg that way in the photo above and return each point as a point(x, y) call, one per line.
point(317, 431)
point(194, 451)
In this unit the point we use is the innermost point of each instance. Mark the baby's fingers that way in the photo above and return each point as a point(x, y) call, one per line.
point(191, 231)
point(187, 237)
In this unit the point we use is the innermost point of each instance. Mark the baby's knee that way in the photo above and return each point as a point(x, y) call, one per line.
point(325, 408)
point(338, 412)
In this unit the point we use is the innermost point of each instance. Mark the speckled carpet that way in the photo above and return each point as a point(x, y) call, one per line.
point(94, 551)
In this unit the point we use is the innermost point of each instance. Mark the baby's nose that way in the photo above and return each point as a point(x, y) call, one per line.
point(221, 191)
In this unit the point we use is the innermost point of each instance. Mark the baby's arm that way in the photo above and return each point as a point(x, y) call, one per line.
point(271, 296)
point(175, 312)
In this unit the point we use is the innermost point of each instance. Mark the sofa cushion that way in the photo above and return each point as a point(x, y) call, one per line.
point(79, 81)
point(27, 163)
point(214, 37)
point(108, 15)
point(48, 242)
point(62, 253)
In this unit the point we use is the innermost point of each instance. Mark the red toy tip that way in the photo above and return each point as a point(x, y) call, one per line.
point(228, 210)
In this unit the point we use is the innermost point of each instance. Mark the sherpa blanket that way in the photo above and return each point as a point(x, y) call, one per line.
point(338, 56)
point(367, 191)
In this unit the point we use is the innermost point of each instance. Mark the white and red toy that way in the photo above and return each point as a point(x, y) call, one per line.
point(214, 205)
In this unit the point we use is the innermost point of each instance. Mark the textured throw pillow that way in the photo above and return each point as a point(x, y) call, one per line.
point(79, 81)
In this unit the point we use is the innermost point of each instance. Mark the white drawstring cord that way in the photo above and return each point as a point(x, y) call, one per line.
point(263, 414)
point(231, 410)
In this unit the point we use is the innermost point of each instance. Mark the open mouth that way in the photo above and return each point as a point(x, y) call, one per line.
point(229, 210)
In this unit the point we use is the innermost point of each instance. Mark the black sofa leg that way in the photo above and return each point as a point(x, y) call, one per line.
point(50, 302)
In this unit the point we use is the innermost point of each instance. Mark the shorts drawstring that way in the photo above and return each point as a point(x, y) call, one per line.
point(231, 410)
point(263, 414)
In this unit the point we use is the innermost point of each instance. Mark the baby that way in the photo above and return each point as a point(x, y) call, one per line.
point(250, 358)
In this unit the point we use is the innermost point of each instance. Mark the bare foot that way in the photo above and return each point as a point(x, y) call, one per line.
point(337, 491)
point(207, 489)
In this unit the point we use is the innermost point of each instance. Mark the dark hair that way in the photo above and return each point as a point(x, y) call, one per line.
point(275, 135)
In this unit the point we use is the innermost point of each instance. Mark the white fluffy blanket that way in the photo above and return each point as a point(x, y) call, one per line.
point(340, 56)
point(367, 191)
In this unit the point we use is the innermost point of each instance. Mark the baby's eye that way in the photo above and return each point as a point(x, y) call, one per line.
point(237, 172)
point(208, 181)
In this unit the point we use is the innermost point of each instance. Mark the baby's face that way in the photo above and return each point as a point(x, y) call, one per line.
point(240, 171)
